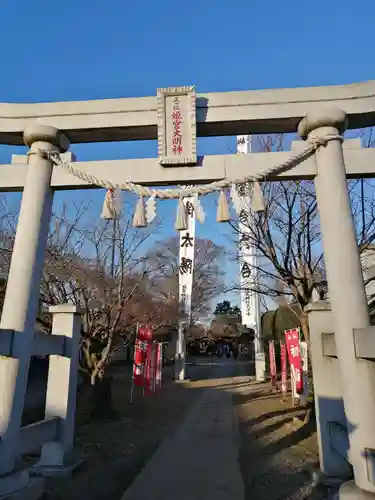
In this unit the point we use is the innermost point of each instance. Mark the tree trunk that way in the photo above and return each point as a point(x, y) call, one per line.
point(95, 401)
point(101, 402)
point(305, 328)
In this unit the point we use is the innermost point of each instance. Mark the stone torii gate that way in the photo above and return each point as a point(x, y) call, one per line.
point(315, 112)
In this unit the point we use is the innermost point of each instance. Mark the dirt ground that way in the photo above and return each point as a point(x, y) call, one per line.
point(277, 454)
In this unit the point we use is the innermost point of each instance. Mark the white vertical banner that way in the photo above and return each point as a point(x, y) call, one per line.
point(159, 366)
point(186, 259)
point(249, 272)
point(247, 258)
point(305, 373)
point(185, 282)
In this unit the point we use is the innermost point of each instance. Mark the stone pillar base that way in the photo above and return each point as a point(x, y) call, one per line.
point(350, 491)
point(179, 368)
point(19, 486)
point(321, 479)
point(49, 468)
point(53, 471)
point(260, 367)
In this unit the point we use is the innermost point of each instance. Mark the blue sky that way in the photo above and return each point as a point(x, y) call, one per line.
point(80, 49)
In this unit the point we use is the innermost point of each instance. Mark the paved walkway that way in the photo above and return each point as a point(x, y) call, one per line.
point(198, 462)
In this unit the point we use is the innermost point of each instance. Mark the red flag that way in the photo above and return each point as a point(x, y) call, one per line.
point(144, 336)
point(294, 354)
point(140, 353)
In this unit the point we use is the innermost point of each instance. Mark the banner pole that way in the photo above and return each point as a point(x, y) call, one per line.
point(161, 364)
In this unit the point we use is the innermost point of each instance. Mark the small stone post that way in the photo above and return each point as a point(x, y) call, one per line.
point(346, 291)
point(180, 361)
point(56, 458)
point(22, 293)
point(332, 435)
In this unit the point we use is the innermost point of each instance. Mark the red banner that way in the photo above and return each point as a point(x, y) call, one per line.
point(144, 336)
point(284, 378)
point(140, 356)
point(271, 347)
point(294, 355)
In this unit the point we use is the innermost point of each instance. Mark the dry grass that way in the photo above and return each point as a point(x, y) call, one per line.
point(277, 455)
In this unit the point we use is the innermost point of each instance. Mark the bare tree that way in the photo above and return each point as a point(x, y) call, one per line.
point(100, 268)
point(288, 239)
point(8, 221)
point(103, 268)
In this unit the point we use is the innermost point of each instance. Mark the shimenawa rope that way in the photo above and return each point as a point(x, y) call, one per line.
point(140, 190)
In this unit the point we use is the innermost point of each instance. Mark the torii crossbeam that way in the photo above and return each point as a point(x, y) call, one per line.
point(316, 111)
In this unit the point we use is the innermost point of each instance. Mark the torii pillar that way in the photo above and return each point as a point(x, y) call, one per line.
point(22, 292)
point(347, 296)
